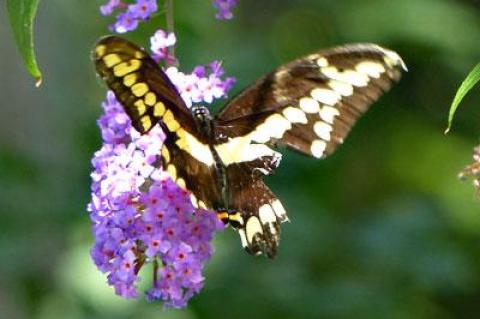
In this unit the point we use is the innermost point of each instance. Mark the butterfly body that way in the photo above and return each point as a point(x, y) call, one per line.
point(308, 105)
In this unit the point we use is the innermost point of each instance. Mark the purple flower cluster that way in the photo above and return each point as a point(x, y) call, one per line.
point(130, 15)
point(224, 8)
point(204, 84)
point(142, 217)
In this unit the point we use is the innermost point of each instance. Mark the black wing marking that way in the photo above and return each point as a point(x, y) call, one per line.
point(141, 86)
point(311, 104)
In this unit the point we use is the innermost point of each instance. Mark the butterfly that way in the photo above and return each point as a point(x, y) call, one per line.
point(308, 105)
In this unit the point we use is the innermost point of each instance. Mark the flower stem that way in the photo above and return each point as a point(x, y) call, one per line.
point(170, 29)
point(155, 271)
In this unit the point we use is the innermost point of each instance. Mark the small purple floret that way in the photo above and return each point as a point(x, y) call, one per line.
point(130, 14)
point(107, 9)
point(142, 9)
point(224, 8)
point(126, 22)
point(160, 42)
point(204, 84)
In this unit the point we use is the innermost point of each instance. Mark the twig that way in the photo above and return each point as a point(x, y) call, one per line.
point(170, 29)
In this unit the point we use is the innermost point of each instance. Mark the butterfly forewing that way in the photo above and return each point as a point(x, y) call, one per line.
point(141, 86)
point(311, 104)
point(192, 174)
point(149, 97)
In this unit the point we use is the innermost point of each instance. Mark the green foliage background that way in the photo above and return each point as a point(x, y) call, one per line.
point(381, 229)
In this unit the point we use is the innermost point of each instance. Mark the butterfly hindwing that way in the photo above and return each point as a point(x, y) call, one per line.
point(257, 211)
point(311, 104)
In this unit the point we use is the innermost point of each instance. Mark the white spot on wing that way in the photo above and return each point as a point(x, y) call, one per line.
point(252, 228)
point(348, 76)
point(318, 148)
point(195, 148)
point(233, 150)
point(274, 126)
point(309, 105)
point(255, 151)
point(328, 113)
point(262, 133)
point(322, 62)
point(372, 69)
point(279, 125)
point(279, 210)
point(267, 215)
point(243, 238)
point(326, 96)
point(342, 88)
point(295, 115)
point(240, 149)
point(322, 130)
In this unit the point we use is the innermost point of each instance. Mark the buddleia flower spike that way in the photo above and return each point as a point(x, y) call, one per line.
point(141, 217)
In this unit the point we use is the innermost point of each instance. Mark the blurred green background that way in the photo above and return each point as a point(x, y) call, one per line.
point(381, 229)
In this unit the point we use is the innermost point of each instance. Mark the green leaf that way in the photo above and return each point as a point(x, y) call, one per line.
point(22, 15)
point(472, 78)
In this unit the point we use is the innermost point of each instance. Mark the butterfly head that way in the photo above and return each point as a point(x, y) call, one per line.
point(201, 113)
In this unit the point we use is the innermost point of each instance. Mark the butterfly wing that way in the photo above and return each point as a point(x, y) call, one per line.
point(140, 85)
point(311, 104)
point(149, 97)
point(258, 212)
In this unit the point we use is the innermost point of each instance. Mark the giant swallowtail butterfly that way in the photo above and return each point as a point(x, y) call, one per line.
point(309, 105)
